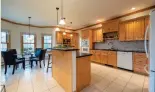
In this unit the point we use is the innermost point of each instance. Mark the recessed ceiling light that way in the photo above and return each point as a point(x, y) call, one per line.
point(133, 8)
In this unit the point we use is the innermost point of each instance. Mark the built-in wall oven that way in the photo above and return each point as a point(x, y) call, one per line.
point(85, 45)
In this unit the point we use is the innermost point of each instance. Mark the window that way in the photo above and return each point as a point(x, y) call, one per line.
point(47, 41)
point(28, 43)
point(4, 40)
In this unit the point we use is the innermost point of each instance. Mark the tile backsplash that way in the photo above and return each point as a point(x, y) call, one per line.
point(117, 45)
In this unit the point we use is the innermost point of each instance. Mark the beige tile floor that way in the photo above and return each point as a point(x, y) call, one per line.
point(104, 79)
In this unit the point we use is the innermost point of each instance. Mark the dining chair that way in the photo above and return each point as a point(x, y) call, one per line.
point(10, 59)
point(40, 56)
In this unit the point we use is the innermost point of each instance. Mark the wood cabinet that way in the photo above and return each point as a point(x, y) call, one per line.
point(59, 37)
point(75, 40)
point(112, 58)
point(111, 26)
point(97, 56)
point(139, 28)
point(85, 34)
point(129, 30)
point(92, 58)
point(147, 23)
point(139, 61)
point(104, 57)
point(97, 35)
point(94, 36)
point(132, 30)
point(122, 33)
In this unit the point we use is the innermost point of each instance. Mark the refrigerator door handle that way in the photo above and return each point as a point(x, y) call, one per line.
point(145, 42)
point(146, 49)
point(152, 71)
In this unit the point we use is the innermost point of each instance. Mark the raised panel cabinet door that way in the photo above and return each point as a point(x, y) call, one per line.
point(94, 36)
point(112, 58)
point(114, 25)
point(99, 35)
point(97, 56)
point(92, 58)
point(140, 60)
point(59, 37)
point(129, 30)
point(139, 29)
point(104, 57)
point(147, 23)
point(122, 31)
point(105, 27)
point(90, 39)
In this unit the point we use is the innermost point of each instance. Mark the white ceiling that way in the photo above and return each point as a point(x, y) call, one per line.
point(80, 12)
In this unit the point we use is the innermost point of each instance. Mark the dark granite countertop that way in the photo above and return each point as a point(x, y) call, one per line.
point(80, 54)
point(65, 49)
point(120, 50)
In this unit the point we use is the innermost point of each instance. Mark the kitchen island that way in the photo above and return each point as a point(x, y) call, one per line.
point(71, 69)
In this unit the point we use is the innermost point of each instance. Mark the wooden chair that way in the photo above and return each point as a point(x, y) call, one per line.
point(10, 59)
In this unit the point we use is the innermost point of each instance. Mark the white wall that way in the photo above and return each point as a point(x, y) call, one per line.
point(15, 31)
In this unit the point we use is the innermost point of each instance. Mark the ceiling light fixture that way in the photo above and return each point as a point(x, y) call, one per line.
point(133, 8)
point(57, 28)
point(62, 20)
point(71, 34)
point(64, 33)
point(98, 20)
point(29, 38)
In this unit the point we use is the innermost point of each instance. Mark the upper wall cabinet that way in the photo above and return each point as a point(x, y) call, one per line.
point(110, 26)
point(147, 23)
point(59, 37)
point(133, 29)
point(97, 35)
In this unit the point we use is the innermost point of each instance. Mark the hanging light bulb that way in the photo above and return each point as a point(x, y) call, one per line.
point(62, 21)
point(64, 33)
point(71, 35)
point(57, 29)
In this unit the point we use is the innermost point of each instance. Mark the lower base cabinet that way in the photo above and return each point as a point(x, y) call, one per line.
point(139, 62)
point(104, 57)
point(112, 58)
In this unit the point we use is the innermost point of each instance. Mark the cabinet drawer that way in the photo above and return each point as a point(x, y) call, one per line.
point(139, 70)
point(104, 52)
point(139, 54)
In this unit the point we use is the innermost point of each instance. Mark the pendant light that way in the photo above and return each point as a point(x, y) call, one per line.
point(71, 34)
point(62, 20)
point(64, 33)
point(57, 28)
point(29, 38)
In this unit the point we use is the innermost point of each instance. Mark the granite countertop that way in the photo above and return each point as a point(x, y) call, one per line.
point(80, 54)
point(120, 50)
point(65, 49)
